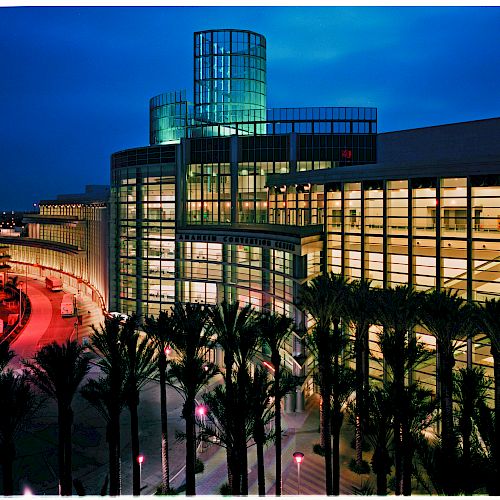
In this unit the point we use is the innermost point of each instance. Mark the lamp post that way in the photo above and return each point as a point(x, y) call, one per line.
point(298, 457)
point(201, 411)
point(140, 459)
point(20, 288)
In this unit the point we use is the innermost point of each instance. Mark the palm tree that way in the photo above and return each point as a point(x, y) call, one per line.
point(275, 329)
point(244, 355)
point(159, 331)
point(324, 299)
point(361, 312)
point(398, 310)
point(191, 372)
point(6, 354)
point(100, 395)
point(58, 370)
point(261, 414)
point(19, 403)
point(379, 433)
point(489, 321)
point(217, 427)
point(449, 319)
point(342, 392)
point(417, 407)
point(105, 342)
point(229, 323)
point(140, 365)
point(470, 391)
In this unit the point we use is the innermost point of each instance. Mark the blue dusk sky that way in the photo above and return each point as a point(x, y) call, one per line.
point(75, 82)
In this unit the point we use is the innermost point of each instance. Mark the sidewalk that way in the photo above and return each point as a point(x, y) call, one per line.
point(300, 433)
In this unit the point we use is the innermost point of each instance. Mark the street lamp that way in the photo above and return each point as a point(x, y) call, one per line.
point(140, 459)
point(20, 288)
point(201, 411)
point(298, 457)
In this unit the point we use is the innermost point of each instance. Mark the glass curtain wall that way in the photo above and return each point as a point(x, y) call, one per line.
point(229, 77)
point(143, 221)
point(431, 232)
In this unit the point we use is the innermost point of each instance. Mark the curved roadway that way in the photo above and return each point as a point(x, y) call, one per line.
point(45, 324)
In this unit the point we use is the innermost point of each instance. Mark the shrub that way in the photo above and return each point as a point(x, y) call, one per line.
point(364, 468)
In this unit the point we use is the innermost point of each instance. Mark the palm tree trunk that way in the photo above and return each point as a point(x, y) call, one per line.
point(466, 450)
point(276, 360)
point(359, 395)
point(164, 426)
point(325, 396)
point(8, 456)
point(261, 475)
point(407, 460)
point(61, 448)
point(336, 457)
point(67, 452)
point(233, 475)
point(366, 374)
point(381, 483)
point(398, 459)
point(111, 459)
point(235, 471)
point(496, 449)
point(321, 424)
point(447, 402)
point(337, 424)
point(447, 428)
point(114, 451)
point(134, 440)
point(244, 466)
point(190, 446)
point(399, 390)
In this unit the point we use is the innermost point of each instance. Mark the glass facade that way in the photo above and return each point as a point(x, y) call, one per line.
point(168, 117)
point(229, 75)
point(71, 240)
point(251, 203)
point(143, 226)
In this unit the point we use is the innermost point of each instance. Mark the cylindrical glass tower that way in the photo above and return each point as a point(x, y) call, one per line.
point(229, 76)
point(168, 114)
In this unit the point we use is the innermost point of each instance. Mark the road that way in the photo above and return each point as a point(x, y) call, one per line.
point(45, 324)
point(36, 462)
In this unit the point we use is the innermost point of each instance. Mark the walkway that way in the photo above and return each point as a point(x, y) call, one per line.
point(301, 432)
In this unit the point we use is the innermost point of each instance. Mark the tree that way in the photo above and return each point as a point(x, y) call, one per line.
point(489, 321)
point(140, 365)
point(58, 370)
point(19, 403)
point(228, 323)
point(191, 371)
point(100, 395)
point(160, 331)
point(6, 354)
point(275, 329)
point(416, 407)
point(449, 319)
point(324, 299)
point(261, 414)
point(106, 343)
point(379, 433)
point(470, 391)
point(244, 355)
point(361, 309)
point(342, 392)
point(398, 310)
point(215, 427)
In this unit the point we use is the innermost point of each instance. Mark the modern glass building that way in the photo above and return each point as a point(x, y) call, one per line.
point(68, 238)
point(239, 202)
